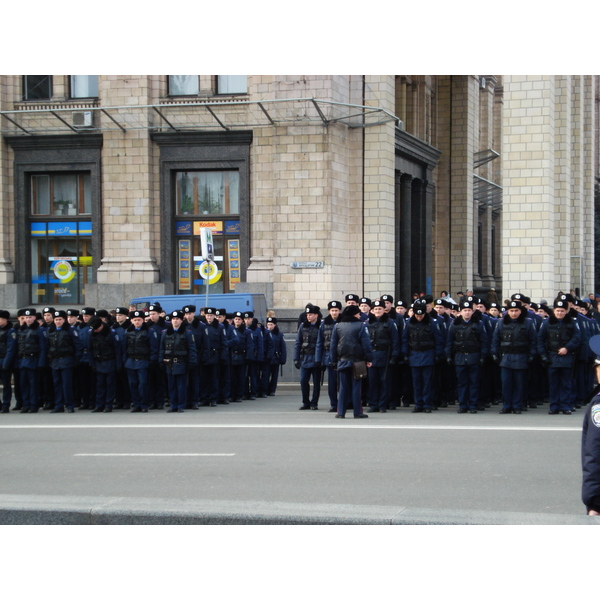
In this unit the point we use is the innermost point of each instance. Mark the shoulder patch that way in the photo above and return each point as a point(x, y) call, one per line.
point(595, 415)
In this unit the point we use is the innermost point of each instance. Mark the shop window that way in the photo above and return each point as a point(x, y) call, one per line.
point(37, 87)
point(183, 85)
point(84, 86)
point(232, 84)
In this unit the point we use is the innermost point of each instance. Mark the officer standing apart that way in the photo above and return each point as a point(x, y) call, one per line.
point(305, 350)
point(350, 344)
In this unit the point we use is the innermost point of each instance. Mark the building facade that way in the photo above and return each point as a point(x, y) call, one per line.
point(313, 186)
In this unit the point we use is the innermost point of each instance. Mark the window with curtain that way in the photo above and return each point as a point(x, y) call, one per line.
point(56, 195)
point(232, 84)
point(207, 192)
point(84, 86)
point(183, 85)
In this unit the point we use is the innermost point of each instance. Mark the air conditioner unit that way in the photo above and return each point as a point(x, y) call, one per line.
point(83, 119)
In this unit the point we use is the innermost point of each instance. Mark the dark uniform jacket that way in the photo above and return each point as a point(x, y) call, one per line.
point(8, 346)
point(141, 347)
point(590, 455)
point(305, 347)
point(555, 334)
point(515, 342)
point(467, 342)
point(350, 343)
point(324, 340)
point(177, 349)
point(422, 342)
point(277, 351)
point(64, 347)
point(385, 340)
point(104, 349)
point(32, 346)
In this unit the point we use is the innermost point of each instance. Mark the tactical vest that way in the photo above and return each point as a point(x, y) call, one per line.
point(514, 338)
point(309, 340)
point(28, 341)
point(176, 345)
point(138, 345)
point(466, 337)
point(103, 348)
point(420, 337)
point(327, 331)
point(380, 335)
point(559, 335)
point(60, 344)
point(4, 340)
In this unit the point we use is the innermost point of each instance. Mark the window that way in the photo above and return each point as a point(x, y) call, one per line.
point(84, 86)
point(207, 192)
point(37, 87)
point(183, 85)
point(60, 237)
point(58, 195)
point(232, 84)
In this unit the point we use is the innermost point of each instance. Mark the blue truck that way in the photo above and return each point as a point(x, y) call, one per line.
point(257, 303)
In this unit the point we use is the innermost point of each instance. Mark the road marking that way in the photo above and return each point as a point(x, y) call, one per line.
point(361, 425)
point(148, 454)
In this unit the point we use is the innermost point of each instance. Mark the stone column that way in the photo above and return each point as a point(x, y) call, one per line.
point(405, 257)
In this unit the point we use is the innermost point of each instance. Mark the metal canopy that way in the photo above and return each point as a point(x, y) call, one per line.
point(487, 193)
point(49, 119)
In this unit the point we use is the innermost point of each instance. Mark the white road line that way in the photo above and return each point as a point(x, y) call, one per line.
point(148, 454)
point(361, 425)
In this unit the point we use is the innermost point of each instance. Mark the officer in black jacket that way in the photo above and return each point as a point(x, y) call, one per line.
point(305, 349)
point(8, 350)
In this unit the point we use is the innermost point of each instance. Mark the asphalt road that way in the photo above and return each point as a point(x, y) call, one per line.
point(269, 451)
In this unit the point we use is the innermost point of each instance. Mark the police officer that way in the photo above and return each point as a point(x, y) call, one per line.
point(32, 348)
point(85, 378)
point(64, 354)
point(349, 344)
point(385, 343)
point(277, 354)
point(122, 393)
point(8, 351)
point(178, 354)
point(242, 342)
point(305, 349)
point(558, 341)
point(323, 353)
point(141, 349)
point(423, 344)
point(46, 382)
point(514, 348)
point(467, 346)
point(212, 350)
point(156, 377)
point(590, 445)
point(253, 357)
point(105, 358)
point(196, 326)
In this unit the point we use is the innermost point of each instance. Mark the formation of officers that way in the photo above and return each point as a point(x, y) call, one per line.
point(139, 360)
point(432, 354)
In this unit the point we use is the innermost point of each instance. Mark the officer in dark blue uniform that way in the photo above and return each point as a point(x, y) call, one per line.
point(467, 346)
point(105, 358)
point(122, 393)
point(590, 442)
point(46, 381)
point(31, 352)
point(196, 326)
point(178, 354)
point(8, 351)
point(559, 339)
point(277, 354)
point(64, 354)
point(212, 349)
point(385, 343)
point(305, 349)
point(323, 353)
point(242, 343)
point(423, 344)
point(141, 349)
point(254, 356)
point(156, 376)
point(225, 359)
point(514, 347)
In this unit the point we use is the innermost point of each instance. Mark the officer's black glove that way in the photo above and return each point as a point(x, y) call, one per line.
point(297, 364)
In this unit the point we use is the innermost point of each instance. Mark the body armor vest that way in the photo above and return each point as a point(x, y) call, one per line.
point(514, 338)
point(309, 340)
point(138, 345)
point(103, 348)
point(29, 344)
point(60, 344)
point(176, 345)
point(466, 337)
point(420, 337)
point(380, 335)
point(4, 340)
point(559, 335)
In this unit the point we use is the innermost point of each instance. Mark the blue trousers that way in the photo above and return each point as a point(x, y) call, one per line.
point(467, 386)
point(422, 379)
point(350, 391)
point(273, 379)
point(560, 388)
point(5, 376)
point(305, 376)
point(332, 386)
point(514, 385)
point(378, 387)
point(177, 390)
point(106, 388)
point(29, 379)
point(238, 381)
point(138, 386)
point(63, 388)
